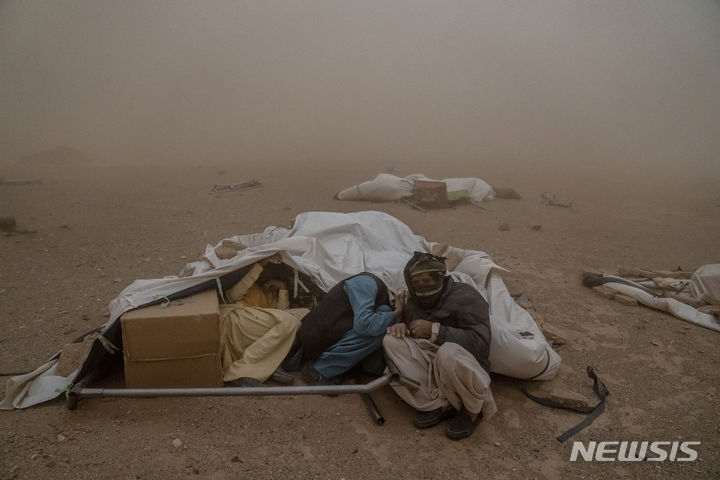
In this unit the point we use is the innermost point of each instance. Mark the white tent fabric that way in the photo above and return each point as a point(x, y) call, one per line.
point(389, 188)
point(329, 247)
point(678, 309)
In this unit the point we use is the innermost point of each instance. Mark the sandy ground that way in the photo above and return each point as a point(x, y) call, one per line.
point(99, 227)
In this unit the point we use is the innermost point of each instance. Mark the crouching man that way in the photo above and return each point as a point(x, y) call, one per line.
point(443, 343)
point(344, 329)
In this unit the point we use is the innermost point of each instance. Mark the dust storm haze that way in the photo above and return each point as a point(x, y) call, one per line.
point(462, 82)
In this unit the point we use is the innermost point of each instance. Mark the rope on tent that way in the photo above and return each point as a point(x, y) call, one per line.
point(298, 282)
point(165, 300)
point(220, 289)
point(109, 346)
point(65, 390)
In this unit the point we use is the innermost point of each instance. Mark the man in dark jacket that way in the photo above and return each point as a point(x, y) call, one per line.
point(443, 343)
point(345, 328)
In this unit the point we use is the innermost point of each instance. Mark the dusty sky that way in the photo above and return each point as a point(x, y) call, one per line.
point(550, 81)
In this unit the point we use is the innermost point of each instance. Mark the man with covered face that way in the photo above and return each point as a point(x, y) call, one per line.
point(443, 343)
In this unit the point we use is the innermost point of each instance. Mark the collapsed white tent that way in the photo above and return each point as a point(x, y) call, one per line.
point(704, 287)
point(389, 188)
point(329, 247)
point(678, 309)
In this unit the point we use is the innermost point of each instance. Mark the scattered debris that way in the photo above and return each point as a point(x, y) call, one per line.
point(413, 204)
point(7, 223)
point(235, 187)
point(17, 181)
point(550, 200)
point(9, 227)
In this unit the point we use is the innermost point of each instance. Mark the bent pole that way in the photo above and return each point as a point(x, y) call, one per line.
point(79, 391)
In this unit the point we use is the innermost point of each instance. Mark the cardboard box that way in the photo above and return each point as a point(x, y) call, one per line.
point(174, 346)
point(430, 194)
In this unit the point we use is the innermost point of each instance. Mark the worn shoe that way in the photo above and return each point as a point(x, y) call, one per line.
point(281, 376)
point(433, 417)
point(313, 377)
point(462, 425)
point(244, 382)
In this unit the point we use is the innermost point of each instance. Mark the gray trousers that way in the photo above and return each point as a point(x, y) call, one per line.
point(448, 375)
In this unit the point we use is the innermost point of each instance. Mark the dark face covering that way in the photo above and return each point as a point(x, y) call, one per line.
point(425, 278)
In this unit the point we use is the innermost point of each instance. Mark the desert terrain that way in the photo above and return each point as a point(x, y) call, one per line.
point(96, 227)
point(130, 112)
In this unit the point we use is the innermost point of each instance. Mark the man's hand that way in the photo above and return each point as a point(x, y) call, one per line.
point(421, 329)
point(399, 305)
point(398, 330)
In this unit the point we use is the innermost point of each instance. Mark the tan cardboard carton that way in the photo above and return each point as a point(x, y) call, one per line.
point(430, 194)
point(174, 346)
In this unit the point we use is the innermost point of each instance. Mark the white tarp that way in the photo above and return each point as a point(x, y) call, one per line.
point(678, 309)
point(329, 247)
point(389, 188)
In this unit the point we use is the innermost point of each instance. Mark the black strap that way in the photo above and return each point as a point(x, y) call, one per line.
point(593, 412)
point(547, 364)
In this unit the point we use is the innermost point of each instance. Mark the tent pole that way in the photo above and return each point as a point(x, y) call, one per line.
point(80, 391)
point(372, 408)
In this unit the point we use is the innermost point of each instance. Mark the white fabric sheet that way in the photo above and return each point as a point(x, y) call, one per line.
point(678, 309)
point(389, 188)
